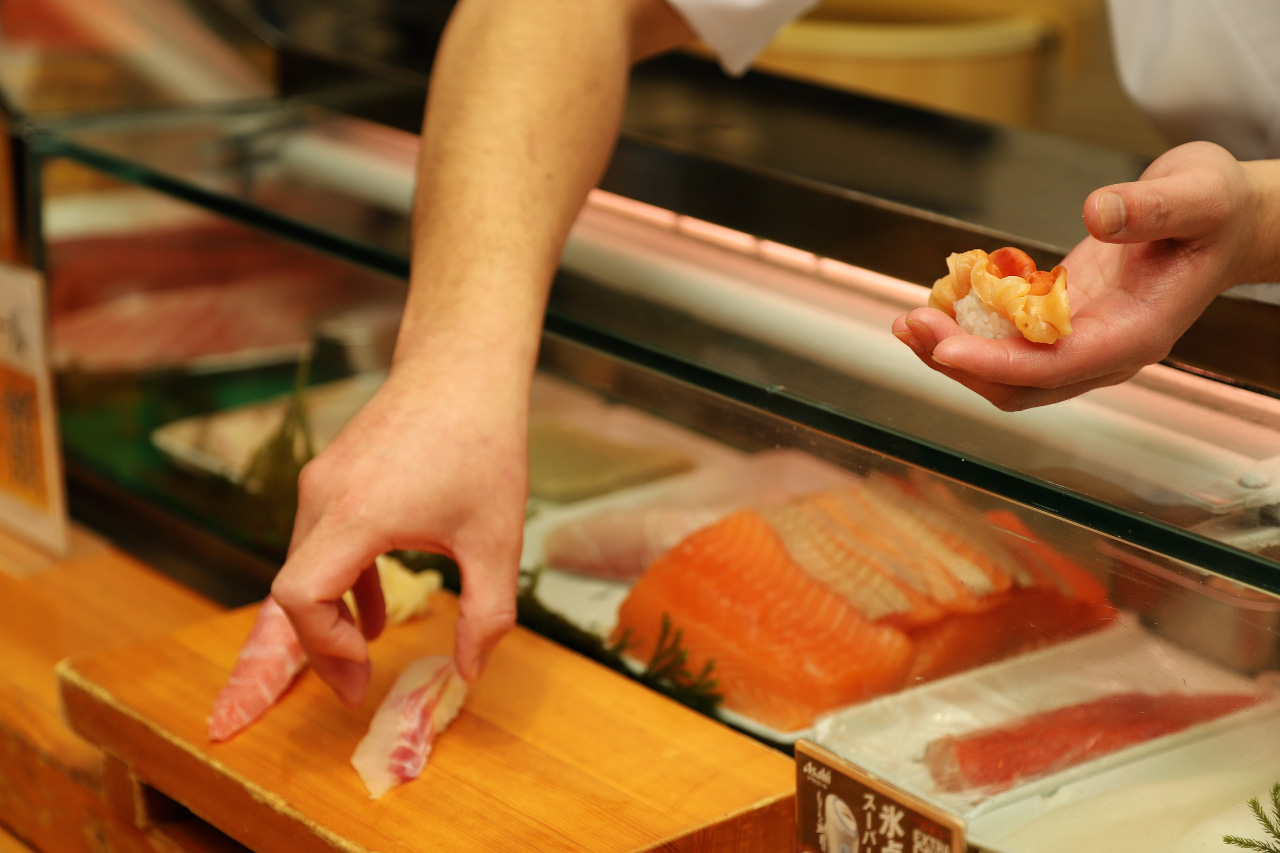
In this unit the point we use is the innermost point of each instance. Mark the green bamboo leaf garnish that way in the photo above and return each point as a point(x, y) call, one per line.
point(1271, 825)
point(272, 473)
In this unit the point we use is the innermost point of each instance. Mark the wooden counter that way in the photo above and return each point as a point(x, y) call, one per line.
point(53, 787)
point(551, 753)
point(575, 756)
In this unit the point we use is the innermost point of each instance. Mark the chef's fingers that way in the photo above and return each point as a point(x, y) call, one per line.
point(370, 603)
point(1182, 203)
point(309, 589)
point(347, 679)
point(1014, 374)
point(487, 606)
point(1017, 398)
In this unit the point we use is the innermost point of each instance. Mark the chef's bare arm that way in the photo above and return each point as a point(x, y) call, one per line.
point(522, 116)
point(523, 112)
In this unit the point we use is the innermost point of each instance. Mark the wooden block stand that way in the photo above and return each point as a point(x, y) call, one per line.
point(551, 753)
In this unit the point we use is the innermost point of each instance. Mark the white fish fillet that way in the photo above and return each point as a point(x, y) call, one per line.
point(619, 542)
point(423, 701)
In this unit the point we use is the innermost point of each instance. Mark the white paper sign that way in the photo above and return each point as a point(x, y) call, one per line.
point(32, 494)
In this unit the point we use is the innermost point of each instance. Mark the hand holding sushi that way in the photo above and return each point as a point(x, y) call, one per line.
point(1159, 250)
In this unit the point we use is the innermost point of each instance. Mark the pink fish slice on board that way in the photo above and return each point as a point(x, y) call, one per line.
point(425, 698)
point(269, 661)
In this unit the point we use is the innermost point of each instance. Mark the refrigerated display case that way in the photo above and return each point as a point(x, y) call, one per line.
point(745, 492)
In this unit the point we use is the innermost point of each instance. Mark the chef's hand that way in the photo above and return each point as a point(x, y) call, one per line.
point(1160, 249)
point(436, 461)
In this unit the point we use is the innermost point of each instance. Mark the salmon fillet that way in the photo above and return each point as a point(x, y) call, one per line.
point(1018, 621)
point(786, 648)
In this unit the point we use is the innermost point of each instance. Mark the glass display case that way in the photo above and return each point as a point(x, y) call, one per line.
point(1059, 625)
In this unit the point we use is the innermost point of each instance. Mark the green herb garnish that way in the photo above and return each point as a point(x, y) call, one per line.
point(1270, 824)
point(272, 473)
point(667, 671)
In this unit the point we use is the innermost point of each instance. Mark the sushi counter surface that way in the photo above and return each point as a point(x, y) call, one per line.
point(56, 789)
point(551, 752)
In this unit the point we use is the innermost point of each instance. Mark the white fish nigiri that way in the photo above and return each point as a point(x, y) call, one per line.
point(269, 661)
point(423, 701)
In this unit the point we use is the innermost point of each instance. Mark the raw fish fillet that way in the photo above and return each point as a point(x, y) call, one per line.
point(995, 759)
point(1005, 286)
point(1050, 567)
point(786, 647)
point(901, 582)
point(1014, 623)
point(918, 559)
point(269, 661)
point(568, 464)
point(424, 700)
point(152, 329)
point(617, 544)
point(620, 542)
point(851, 562)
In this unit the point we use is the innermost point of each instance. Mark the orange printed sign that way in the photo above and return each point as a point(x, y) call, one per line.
point(22, 462)
point(841, 808)
point(32, 498)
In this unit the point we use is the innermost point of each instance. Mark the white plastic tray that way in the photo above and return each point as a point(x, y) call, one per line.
point(888, 736)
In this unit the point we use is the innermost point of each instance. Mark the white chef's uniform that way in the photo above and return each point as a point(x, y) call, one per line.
point(1204, 69)
point(737, 30)
point(1200, 69)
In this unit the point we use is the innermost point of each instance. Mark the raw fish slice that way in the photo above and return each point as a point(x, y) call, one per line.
point(981, 572)
point(922, 562)
point(952, 515)
point(424, 700)
point(269, 661)
point(618, 544)
point(1051, 567)
point(995, 759)
point(1016, 622)
point(858, 571)
point(568, 464)
point(785, 647)
point(1008, 285)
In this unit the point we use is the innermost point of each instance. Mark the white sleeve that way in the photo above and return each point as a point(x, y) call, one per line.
point(737, 30)
point(1204, 69)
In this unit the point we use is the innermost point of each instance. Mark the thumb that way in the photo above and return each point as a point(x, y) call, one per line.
point(1179, 206)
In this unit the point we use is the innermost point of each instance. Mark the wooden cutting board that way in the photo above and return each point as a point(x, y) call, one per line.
point(551, 753)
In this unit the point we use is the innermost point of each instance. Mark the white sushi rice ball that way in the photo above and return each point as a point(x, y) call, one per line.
point(978, 318)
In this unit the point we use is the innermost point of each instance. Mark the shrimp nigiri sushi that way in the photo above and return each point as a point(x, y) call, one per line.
point(1003, 294)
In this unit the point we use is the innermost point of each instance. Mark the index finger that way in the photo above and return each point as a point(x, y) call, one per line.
point(309, 587)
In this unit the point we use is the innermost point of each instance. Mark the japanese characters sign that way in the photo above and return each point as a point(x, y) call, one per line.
point(841, 809)
point(32, 498)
